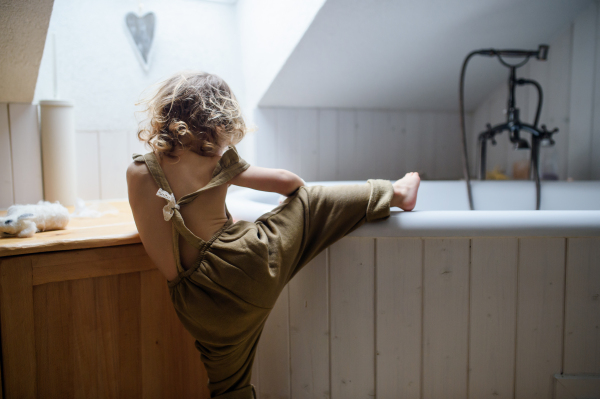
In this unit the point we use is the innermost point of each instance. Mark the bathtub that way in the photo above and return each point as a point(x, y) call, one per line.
point(442, 301)
point(447, 206)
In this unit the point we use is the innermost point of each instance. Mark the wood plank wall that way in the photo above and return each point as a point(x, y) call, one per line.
point(20, 155)
point(317, 144)
point(571, 85)
point(435, 317)
point(344, 144)
point(102, 159)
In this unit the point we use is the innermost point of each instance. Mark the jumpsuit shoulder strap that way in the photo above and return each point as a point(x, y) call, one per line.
point(229, 166)
point(155, 170)
point(171, 209)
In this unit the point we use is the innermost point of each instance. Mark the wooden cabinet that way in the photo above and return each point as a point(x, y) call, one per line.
point(91, 322)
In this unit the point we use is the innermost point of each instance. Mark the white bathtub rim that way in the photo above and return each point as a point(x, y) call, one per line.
point(450, 223)
point(484, 224)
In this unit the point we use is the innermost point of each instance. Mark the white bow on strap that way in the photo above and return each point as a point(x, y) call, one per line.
point(171, 205)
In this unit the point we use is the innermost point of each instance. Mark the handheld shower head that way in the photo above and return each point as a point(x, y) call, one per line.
point(542, 53)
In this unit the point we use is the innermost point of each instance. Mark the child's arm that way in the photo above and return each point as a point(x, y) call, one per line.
point(266, 179)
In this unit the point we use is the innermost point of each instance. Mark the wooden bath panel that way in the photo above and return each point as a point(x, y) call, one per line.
point(93, 323)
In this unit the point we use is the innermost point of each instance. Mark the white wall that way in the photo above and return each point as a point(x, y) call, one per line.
point(269, 32)
point(97, 66)
point(98, 71)
point(571, 86)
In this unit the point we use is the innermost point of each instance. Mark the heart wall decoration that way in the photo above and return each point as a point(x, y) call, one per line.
point(141, 32)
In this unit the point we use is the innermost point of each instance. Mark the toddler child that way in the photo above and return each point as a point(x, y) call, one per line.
point(224, 276)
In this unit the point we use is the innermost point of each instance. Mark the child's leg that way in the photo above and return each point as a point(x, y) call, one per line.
point(315, 217)
point(293, 234)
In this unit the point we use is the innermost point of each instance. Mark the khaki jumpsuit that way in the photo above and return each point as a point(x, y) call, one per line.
point(226, 297)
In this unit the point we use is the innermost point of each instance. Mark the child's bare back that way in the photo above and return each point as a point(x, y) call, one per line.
point(186, 172)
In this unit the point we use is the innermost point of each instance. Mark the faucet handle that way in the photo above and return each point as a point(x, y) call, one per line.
point(547, 134)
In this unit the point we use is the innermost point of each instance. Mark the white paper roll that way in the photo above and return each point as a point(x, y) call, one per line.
point(58, 151)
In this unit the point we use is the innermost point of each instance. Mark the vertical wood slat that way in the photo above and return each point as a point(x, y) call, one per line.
point(454, 161)
point(427, 143)
point(88, 166)
point(348, 166)
point(413, 160)
point(366, 121)
point(447, 163)
point(556, 97)
point(398, 318)
point(54, 344)
point(152, 339)
point(307, 131)
point(309, 331)
point(85, 360)
point(114, 160)
point(107, 316)
point(26, 153)
point(493, 308)
point(582, 307)
point(17, 321)
point(396, 155)
point(539, 315)
point(273, 351)
point(352, 318)
point(288, 145)
point(328, 145)
point(134, 145)
point(6, 180)
point(266, 137)
point(175, 348)
point(445, 317)
point(129, 332)
point(582, 94)
point(378, 137)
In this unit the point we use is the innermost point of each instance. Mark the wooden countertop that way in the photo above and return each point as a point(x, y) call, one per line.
point(108, 230)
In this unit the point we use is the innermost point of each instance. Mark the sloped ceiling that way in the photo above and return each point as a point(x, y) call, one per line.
point(406, 54)
point(23, 29)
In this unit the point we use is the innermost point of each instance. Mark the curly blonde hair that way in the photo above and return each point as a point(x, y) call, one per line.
point(192, 110)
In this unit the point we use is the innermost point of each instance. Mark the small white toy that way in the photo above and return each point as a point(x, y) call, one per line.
point(26, 220)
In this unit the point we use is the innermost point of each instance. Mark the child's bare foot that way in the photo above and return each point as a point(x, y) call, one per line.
point(405, 191)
